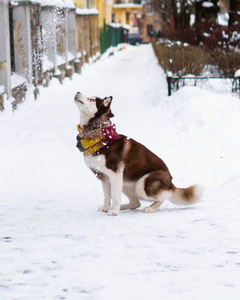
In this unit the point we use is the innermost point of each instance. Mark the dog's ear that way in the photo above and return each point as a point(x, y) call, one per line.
point(107, 101)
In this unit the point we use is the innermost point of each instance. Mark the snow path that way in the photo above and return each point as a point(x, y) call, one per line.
point(53, 242)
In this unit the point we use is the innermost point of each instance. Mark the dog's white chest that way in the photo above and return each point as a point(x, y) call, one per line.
point(97, 162)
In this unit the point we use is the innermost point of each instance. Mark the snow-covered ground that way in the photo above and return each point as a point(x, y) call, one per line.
point(53, 242)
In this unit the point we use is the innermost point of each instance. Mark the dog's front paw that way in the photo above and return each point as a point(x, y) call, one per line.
point(112, 212)
point(103, 209)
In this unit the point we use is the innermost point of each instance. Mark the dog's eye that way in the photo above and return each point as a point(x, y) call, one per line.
point(92, 99)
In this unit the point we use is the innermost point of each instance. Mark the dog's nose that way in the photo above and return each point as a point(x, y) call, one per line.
point(77, 95)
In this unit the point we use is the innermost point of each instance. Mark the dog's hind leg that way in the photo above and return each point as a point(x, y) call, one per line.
point(134, 202)
point(153, 207)
point(106, 185)
point(154, 186)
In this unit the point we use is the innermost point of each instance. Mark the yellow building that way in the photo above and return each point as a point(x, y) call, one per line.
point(127, 14)
point(104, 8)
point(85, 3)
point(79, 3)
point(105, 11)
point(139, 15)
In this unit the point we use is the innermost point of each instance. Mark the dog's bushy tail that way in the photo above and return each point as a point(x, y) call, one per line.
point(186, 196)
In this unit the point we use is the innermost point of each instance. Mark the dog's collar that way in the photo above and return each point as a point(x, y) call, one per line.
point(90, 141)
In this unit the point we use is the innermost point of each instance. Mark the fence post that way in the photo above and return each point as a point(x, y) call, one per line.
point(169, 81)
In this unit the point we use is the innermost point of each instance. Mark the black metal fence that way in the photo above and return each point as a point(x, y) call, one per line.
point(176, 82)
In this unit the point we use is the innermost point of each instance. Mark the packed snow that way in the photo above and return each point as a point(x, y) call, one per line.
point(53, 242)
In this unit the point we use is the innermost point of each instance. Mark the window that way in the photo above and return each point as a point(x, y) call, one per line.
point(150, 30)
point(113, 18)
point(149, 8)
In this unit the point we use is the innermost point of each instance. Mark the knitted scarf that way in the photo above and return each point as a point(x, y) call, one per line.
point(90, 141)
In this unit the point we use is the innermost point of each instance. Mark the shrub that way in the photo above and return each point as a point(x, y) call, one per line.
point(180, 59)
point(227, 63)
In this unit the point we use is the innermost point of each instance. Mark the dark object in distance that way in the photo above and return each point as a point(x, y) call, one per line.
point(135, 38)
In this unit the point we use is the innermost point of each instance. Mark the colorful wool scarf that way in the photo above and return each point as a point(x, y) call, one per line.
point(89, 141)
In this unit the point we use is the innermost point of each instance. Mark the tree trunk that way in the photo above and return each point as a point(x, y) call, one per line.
point(233, 13)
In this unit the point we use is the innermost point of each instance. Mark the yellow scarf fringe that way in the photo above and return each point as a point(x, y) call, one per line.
point(90, 145)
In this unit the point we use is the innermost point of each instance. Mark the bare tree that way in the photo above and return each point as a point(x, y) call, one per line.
point(178, 10)
point(206, 10)
point(234, 9)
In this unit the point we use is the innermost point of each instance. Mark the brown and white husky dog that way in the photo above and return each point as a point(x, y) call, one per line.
point(124, 165)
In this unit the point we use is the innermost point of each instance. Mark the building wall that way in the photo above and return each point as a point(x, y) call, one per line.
point(127, 14)
point(105, 12)
point(150, 23)
point(79, 3)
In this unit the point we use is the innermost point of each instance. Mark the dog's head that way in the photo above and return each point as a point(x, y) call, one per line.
point(93, 110)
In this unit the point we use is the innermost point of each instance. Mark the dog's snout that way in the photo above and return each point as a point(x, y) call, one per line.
point(77, 95)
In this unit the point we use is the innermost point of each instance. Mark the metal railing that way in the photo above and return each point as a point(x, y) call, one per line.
point(176, 79)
